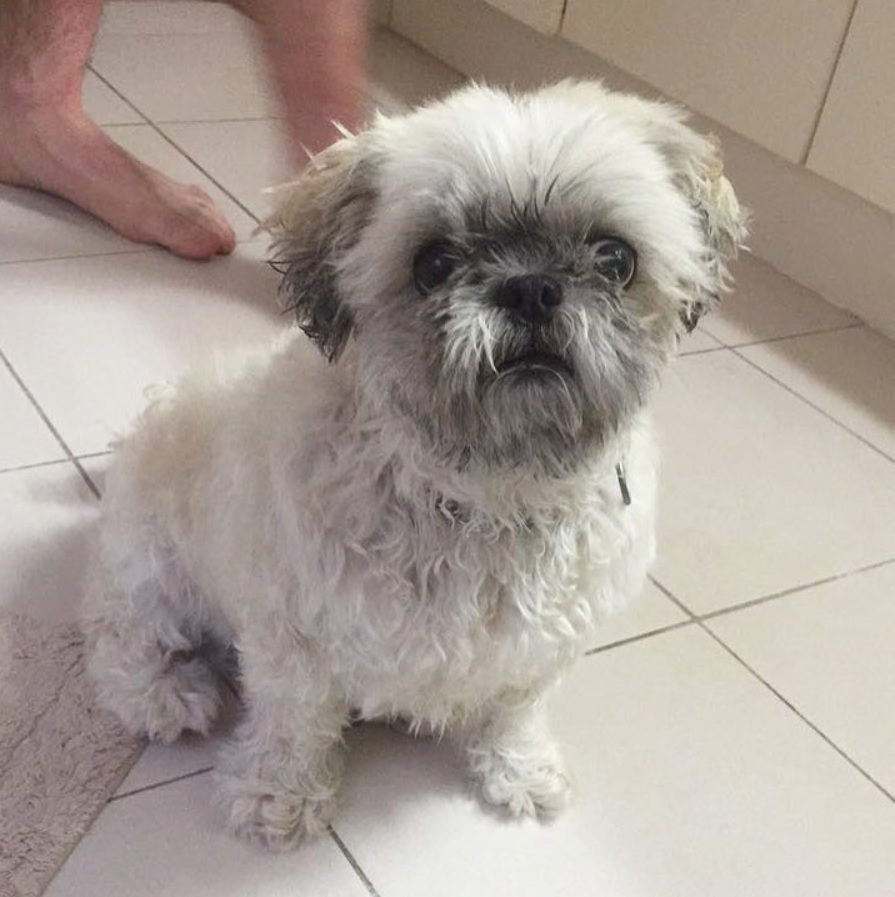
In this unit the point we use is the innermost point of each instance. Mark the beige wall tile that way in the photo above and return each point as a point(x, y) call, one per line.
point(761, 68)
point(855, 142)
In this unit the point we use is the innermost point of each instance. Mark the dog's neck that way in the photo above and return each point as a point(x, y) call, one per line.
point(516, 495)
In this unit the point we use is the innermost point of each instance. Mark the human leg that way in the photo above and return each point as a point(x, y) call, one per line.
point(316, 56)
point(48, 142)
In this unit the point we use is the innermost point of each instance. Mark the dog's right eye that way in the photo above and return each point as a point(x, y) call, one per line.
point(432, 266)
point(615, 260)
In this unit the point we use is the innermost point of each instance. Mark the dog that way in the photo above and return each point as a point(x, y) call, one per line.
point(419, 502)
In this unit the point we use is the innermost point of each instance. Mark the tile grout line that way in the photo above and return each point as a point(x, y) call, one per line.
point(55, 462)
point(671, 627)
point(732, 609)
point(672, 597)
point(200, 121)
point(770, 340)
point(820, 331)
point(371, 890)
point(136, 249)
point(152, 124)
point(701, 623)
point(811, 404)
point(49, 424)
point(828, 87)
point(36, 465)
point(794, 590)
point(87, 478)
point(814, 728)
point(639, 637)
point(155, 785)
point(140, 249)
point(121, 96)
point(708, 351)
point(752, 602)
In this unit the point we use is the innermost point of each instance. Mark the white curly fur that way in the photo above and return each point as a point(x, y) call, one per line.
point(300, 511)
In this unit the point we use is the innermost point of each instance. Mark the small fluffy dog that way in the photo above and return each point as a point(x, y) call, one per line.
point(424, 519)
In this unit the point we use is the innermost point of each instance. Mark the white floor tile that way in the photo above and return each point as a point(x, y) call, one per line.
point(647, 612)
point(39, 226)
point(115, 325)
point(25, 438)
point(828, 650)
point(850, 374)
point(166, 842)
point(187, 77)
point(692, 779)
point(766, 305)
point(759, 491)
point(104, 106)
point(47, 528)
point(245, 157)
point(150, 147)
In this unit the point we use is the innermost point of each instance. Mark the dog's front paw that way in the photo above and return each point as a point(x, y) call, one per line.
point(525, 786)
point(274, 820)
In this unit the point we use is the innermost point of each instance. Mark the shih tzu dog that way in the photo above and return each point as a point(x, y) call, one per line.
point(424, 519)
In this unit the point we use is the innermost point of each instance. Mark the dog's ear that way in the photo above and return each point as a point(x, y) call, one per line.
point(724, 223)
point(698, 170)
point(320, 219)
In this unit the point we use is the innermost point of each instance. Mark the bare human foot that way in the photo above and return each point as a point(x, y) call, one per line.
point(60, 150)
point(48, 142)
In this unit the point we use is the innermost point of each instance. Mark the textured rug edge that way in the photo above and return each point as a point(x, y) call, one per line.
point(61, 758)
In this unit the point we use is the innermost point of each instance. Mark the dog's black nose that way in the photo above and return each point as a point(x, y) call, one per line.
point(532, 298)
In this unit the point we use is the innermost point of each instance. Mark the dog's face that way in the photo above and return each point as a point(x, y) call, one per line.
point(514, 271)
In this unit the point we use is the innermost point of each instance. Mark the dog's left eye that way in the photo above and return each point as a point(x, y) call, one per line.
point(433, 265)
point(615, 260)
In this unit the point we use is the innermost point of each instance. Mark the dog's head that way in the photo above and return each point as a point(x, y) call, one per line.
point(514, 270)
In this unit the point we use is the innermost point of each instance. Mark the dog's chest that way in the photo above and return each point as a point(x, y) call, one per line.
point(445, 611)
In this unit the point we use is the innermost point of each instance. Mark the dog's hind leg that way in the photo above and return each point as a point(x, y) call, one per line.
point(145, 649)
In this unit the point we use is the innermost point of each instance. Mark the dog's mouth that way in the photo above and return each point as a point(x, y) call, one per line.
point(535, 362)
